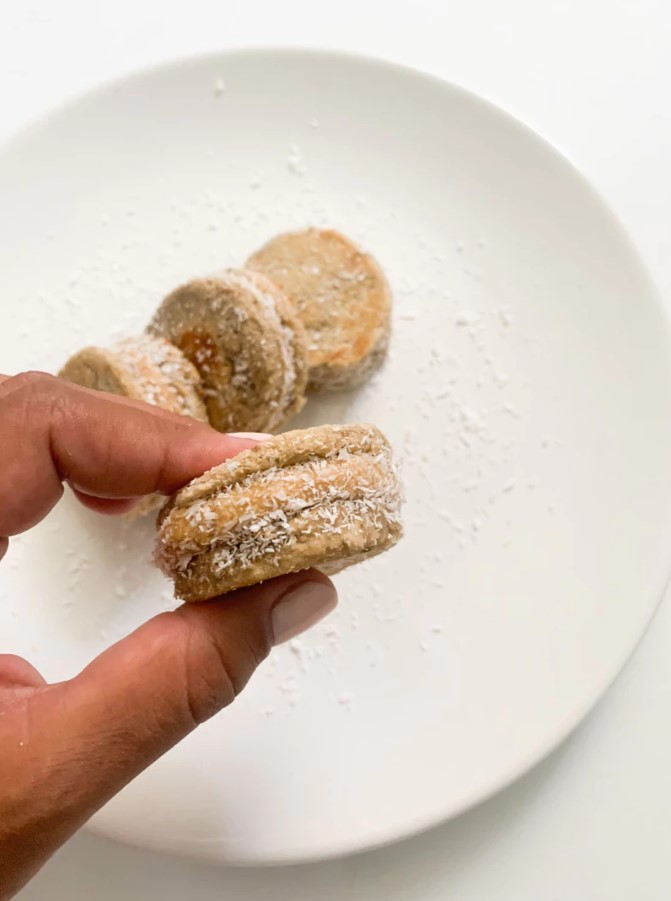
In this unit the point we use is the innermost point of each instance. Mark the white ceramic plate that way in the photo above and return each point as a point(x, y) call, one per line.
point(528, 392)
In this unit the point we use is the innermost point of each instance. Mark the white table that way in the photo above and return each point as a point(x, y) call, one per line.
point(593, 821)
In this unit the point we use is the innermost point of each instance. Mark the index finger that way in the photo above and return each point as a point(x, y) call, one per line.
point(103, 445)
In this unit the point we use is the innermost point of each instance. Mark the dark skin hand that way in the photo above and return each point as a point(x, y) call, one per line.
point(67, 748)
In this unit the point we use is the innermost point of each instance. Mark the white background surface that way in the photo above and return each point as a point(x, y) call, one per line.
point(593, 822)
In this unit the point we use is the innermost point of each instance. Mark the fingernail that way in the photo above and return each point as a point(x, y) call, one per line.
point(255, 436)
point(301, 607)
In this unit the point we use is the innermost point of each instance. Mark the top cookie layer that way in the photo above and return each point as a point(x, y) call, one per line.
point(288, 449)
point(342, 298)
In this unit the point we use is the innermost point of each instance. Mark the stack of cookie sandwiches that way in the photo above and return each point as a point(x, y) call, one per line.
point(241, 349)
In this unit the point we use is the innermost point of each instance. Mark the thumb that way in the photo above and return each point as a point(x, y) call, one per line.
point(144, 694)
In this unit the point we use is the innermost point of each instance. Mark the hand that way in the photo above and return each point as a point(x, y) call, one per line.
point(66, 748)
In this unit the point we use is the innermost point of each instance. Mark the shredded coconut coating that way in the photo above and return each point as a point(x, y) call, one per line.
point(324, 497)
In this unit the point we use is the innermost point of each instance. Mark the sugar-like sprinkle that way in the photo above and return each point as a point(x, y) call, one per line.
point(295, 161)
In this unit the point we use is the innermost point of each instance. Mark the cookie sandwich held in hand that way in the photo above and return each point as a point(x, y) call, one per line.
point(325, 497)
point(341, 296)
point(243, 336)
